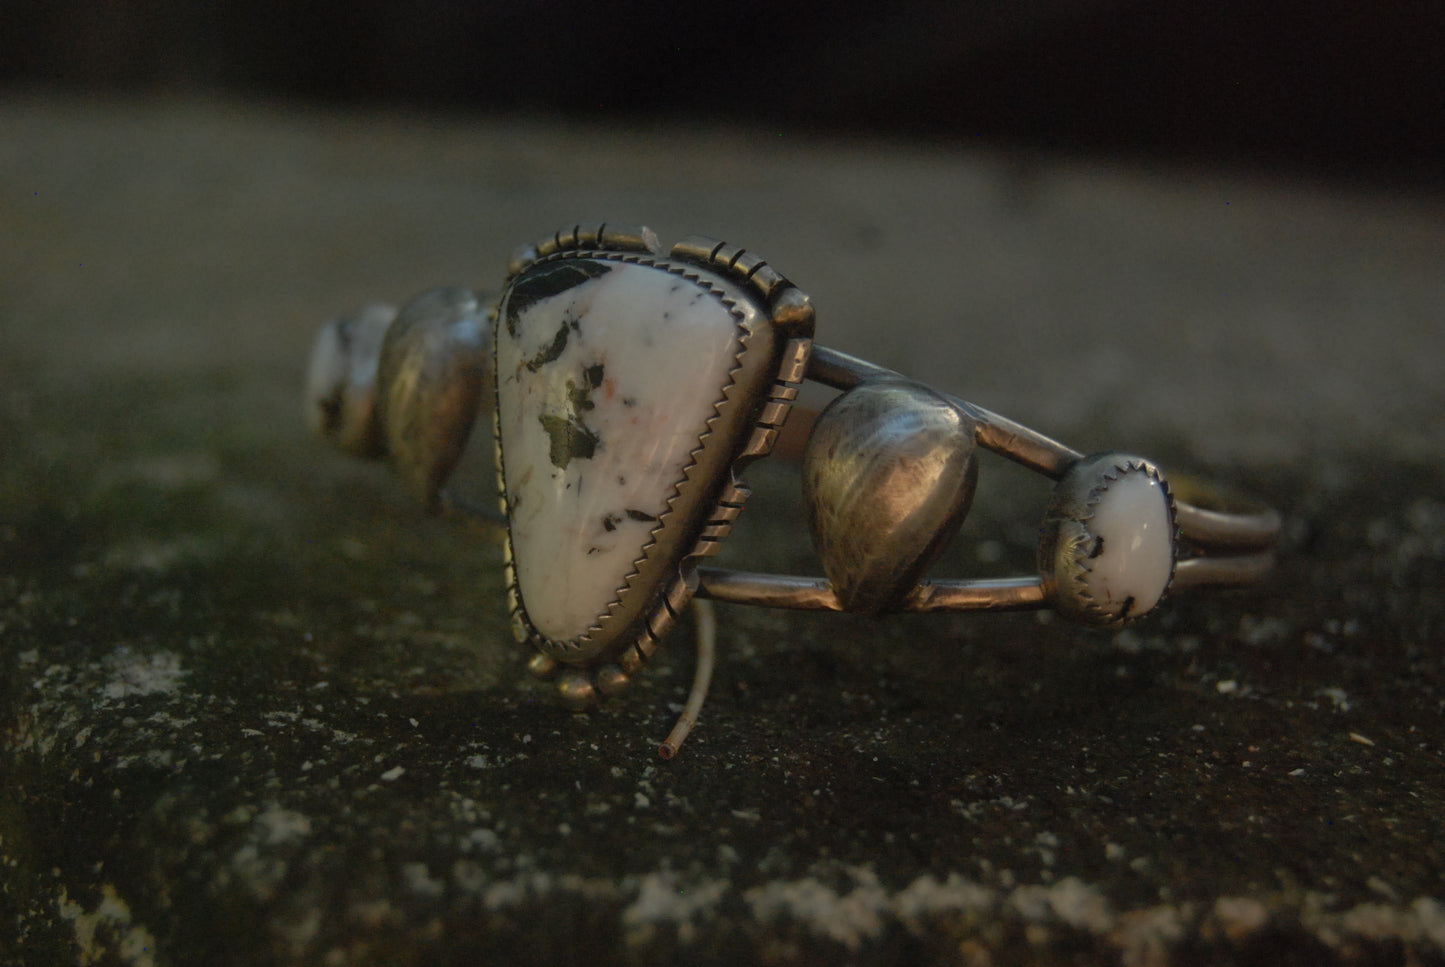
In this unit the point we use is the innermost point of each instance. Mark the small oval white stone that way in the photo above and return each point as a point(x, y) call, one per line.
point(1131, 557)
point(341, 380)
point(1106, 553)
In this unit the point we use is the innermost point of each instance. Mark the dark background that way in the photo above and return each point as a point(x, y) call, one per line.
point(1322, 88)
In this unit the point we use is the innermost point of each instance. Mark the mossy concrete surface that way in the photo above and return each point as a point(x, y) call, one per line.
point(255, 708)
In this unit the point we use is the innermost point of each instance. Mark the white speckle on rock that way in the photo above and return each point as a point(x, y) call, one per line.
point(278, 826)
point(419, 880)
point(469, 877)
point(926, 897)
point(1430, 916)
point(1070, 900)
point(393, 774)
point(484, 761)
point(1145, 936)
point(848, 919)
point(374, 914)
point(298, 929)
point(108, 931)
point(663, 899)
point(483, 839)
point(1046, 844)
point(135, 674)
point(1238, 917)
point(511, 893)
point(1377, 921)
point(258, 872)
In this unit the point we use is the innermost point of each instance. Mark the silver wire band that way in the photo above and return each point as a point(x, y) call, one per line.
point(815, 594)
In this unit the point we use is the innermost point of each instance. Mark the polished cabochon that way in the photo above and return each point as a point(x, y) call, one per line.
point(624, 387)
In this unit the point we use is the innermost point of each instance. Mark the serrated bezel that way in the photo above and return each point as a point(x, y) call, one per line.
point(774, 322)
point(1066, 540)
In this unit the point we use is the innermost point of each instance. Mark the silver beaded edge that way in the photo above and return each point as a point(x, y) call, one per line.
point(789, 310)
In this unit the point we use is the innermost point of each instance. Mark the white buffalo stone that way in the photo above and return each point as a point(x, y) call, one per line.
point(607, 373)
point(1132, 556)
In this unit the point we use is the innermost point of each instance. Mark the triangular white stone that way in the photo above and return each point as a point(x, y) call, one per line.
point(607, 374)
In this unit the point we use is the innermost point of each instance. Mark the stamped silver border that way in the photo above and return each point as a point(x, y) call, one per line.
point(605, 657)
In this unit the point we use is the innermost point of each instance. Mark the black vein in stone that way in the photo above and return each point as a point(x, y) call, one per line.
point(544, 281)
point(550, 353)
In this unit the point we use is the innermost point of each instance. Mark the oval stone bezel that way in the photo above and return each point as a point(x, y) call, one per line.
point(1068, 542)
point(703, 500)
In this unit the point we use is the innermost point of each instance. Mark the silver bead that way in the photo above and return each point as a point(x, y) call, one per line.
point(612, 680)
point(542, 666)
point(341, 380)
point(433, 374)
point(577, 690)
point(1107, 544)
point(888, 475)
